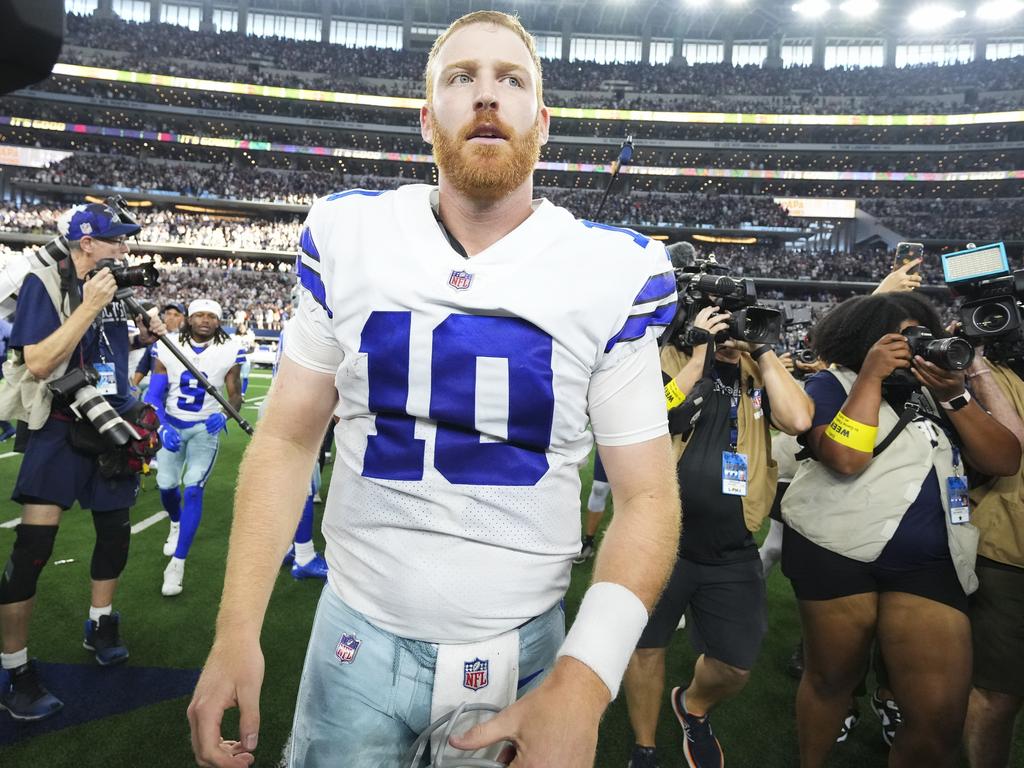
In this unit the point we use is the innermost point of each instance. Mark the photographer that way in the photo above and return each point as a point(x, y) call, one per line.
point(878, 536)
point(727, 482)
point(66, 322)
point(997, 606)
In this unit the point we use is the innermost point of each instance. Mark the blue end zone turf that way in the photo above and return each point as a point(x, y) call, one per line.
point(90, 692)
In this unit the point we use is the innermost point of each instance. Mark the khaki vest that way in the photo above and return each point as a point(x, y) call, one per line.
point(754, 439)
point(999, 504)
point(857, 516)
point(23, 397)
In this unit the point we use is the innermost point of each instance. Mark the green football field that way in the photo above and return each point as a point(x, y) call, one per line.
point(135, 715)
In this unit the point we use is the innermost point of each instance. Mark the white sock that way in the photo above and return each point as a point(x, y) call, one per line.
point(179, 560)
point(14, 660)
point(304, 552)
point(598, 496)
point(95, 613)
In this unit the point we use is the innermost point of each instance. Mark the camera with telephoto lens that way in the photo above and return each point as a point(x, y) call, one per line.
point(952, 354)
point(141, 275)
point(707, 283)
point(992, 306)
point(77, 389)
point(806, 356)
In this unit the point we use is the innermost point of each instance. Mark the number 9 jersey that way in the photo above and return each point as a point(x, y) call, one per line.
point(186, 398)
point(466, 388)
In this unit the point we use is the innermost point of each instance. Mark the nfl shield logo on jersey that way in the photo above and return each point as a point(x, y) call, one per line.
point(347, 649)
point(475, 674)
point(460, 280)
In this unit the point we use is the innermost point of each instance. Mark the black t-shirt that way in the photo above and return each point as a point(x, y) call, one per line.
point(714, 530)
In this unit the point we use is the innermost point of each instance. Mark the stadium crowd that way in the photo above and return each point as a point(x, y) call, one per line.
point(793, 89)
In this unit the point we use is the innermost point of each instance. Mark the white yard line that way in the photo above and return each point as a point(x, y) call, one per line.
point(10, 523)
point(7, 455)
point(151, 520)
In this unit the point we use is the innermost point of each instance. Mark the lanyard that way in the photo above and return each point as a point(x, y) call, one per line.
point(734, 410)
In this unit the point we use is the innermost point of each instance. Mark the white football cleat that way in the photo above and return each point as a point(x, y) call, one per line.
point(172, 539)
point(173, 575)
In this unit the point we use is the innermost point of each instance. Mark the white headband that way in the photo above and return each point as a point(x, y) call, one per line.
point(205, 305)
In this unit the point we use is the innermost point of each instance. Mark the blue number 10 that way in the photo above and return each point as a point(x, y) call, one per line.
point(394, 453)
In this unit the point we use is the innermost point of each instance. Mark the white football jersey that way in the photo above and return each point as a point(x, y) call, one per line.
point(465, 394)
point(186, 398)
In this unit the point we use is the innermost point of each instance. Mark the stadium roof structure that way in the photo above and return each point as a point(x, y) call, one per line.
point(692, 19)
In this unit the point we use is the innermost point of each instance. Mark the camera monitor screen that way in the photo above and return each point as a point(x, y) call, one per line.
point(975, 264)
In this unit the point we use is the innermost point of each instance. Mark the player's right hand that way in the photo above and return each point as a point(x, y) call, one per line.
point(233, 676)
point(170, 438)
point(99, 290)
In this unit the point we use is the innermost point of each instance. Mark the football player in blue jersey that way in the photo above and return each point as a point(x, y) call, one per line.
point(465, 334)
point(191, 425)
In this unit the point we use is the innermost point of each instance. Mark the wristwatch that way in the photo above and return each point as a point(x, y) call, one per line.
point(956, 403)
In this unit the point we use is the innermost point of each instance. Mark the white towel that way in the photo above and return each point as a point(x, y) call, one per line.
point(476, 673)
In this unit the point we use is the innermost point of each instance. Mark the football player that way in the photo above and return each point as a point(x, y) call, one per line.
point(466, 334)
point(191, 425)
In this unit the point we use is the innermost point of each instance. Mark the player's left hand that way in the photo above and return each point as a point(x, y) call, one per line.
point(944, 385)
point(556, 724)
point(156, 328)
point(215, 422)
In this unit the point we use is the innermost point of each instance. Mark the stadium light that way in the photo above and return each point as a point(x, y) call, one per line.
point(859, 8)
point(934, 16)
point(997, 10)
point(812, 9)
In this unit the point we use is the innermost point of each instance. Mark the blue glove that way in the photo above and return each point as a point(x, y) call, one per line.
point(215, 423)
point(170, 438)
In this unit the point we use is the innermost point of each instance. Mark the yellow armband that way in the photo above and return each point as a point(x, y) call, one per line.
point(673, 395)
point(852, 434)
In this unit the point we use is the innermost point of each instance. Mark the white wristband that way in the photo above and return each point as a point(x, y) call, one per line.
point(606, 631)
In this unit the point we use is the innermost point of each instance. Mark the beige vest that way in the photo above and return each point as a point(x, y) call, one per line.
point(999, 504)
point(754, 438)
point(23, 397)
point(857, 516)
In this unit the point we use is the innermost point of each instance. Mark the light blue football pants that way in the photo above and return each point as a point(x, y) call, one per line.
point(366, 713)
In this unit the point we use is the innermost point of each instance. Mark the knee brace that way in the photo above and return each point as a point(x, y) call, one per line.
point(33, 546)
point(598, 496)
point(113, 535)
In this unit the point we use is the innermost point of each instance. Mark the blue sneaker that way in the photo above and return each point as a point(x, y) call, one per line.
point(9, 431)
point(700, 748)
point(103, 638)
point(289, 557)
point(314, 569)
point(24, 697)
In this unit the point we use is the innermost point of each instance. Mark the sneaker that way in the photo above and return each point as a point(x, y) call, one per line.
point(24, 697)
point(851, 720)
point(643, 757)
point(103, 638)
point(889, 713)
point(587, 551)
point(314, 569)
point(172, 539)
point(9, 432)
point(700, 748)
point(795, 665)
point(289, 557)
point(317, 499)
point(173, 575)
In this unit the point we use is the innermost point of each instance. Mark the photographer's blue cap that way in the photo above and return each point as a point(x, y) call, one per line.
point(94, 220)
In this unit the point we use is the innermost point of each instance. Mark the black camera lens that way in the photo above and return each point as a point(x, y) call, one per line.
point(806, 356)
point(952, 354)
point(991, 318)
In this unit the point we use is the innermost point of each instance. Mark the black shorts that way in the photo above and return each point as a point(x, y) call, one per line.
point(52, 470)
point(727, 618)
point(820, 574)
point(997, 626)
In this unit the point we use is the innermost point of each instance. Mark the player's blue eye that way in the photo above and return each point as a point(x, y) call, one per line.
point(461, 78)
point(515, 82)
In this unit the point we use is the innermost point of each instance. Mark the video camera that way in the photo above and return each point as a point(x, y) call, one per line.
point(992, 311)
point(707, 283)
